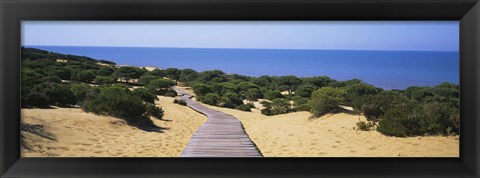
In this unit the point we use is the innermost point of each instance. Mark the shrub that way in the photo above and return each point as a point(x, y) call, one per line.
point(145, 95)
point(244, 108)
point(154, 111)
point(253, 94)
point(170, 93)
point(211, 99)
point(147, 78)
point(372, 111)
point(84, 76)
point(230, 100)
point(35, 98)
point(180, 102)
point(251, 105)
point(81, 91)
point(357, 90)
point(115, 101)
point(365, 126)
point(160, 86)
point(59, 94)
point(105, 71)
point(277, 106)
point(104, 80)
point(325, 100)
point(301, 104)
point(271, 95)
point(402, 120)
point(305, 91)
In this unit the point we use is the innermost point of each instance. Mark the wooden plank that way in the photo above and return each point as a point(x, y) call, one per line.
point(222, 135)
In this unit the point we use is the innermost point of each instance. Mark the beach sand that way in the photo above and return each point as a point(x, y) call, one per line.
point(333, 135)
point(81, 134)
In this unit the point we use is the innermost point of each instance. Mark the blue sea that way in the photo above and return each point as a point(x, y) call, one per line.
point(386, 69)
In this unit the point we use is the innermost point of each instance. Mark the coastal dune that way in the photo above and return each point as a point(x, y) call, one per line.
point(334, 135)
point(70, 132)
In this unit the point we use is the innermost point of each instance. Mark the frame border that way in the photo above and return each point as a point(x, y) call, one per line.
point(12, 12)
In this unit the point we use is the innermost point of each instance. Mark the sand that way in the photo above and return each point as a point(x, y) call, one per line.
point(333, 135)
point(81, 134)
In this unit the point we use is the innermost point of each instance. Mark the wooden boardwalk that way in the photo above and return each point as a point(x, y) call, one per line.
point(222, 135)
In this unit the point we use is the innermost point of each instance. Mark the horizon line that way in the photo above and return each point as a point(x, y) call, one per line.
point(309, 49)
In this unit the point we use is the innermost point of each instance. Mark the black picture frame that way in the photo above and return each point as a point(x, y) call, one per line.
point(12, 12)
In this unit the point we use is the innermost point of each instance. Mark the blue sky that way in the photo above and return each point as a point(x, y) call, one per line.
point(338, 35)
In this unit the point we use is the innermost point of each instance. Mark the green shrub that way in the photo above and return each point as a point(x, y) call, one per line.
point(154, 111)
point(84, 76)
point(277, 106)
point(115, 101)
point(244, 108)
point(325, 100)
point(145, 95)
point(211, 99)
point(180, 102)
point(271, 95)
point(81, 91)
point(104, 80)
point(59, 94)
point(305, 91)
point(170, 93)
point(301, 104)
point(251, 105)
point(253, 94)
point(160, 86)
point(365, 126)
point(405, 119)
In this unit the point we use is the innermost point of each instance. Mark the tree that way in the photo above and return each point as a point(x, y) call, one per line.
point(145, 95)
point(289, 83)
point(86, 76)
point(253, 94)
point(271, 95)
point(305, 91)
point(358, 90)
point(128, 73)
point(59, 94)
point(104, 80)
point(105, 71)
point(201, 89)
point(318, 81)
point(211, 99)
point(147, 78)
point(173, 73)
point(188, 75)
point(326, 100)
point(160, 85)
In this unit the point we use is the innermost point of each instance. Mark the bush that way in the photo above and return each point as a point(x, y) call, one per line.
point(253, 94)
point(160, 86)
point(325, 100)
point(402, 120)
point(59, 94)
point(271, 95)
point(170, 93)
point(145, 95)
point(365, 126)
point(357, 90)
point(81, 91)
point(305, 91)
point(372, 111)
point(115, 101)
point(211, 99)
point(104, 80)
point(84, 76)
point(244, 108)
point(180, 102)
point(277, 106)
point(301, 104)
point(154, 111)
point(251, 105)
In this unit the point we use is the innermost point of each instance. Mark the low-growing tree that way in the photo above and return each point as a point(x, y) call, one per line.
point(104, 80)
point(326, 100)
point(145, 95)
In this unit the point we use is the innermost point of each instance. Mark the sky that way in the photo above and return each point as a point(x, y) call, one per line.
point(331, 35)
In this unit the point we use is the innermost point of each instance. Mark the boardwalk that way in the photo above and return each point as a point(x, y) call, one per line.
point(221, 136)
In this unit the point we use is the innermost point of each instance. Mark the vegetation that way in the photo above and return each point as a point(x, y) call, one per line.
point(180, 102)
point(52, 79)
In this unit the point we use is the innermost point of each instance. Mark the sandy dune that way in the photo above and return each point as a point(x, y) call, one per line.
point(295, 135)
point(80, 134)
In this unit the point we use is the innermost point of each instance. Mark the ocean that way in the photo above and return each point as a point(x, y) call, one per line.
point(386, 69)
